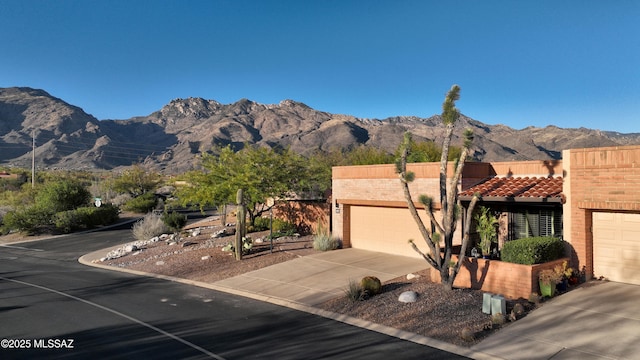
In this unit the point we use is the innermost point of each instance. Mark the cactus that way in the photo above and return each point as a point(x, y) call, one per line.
point(240, 224)
point(371, 285)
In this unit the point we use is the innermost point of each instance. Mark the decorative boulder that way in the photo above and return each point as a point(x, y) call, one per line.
point(412, 276)
point(408, 297)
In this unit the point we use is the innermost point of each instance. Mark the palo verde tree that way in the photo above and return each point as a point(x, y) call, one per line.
point(440, 240)
point(260, 172)
point(136, 181)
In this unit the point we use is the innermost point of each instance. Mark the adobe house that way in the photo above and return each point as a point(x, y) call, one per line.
point(8, 176)
point(591, 198)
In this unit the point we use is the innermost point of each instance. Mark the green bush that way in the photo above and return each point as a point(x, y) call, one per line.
point(534, 250)
point(107, 214)
point(141, 204)
point(175, 221)
point(62, 195)
point(67, 221)
point(29, 220)
point(280, 227)
point(85, 218)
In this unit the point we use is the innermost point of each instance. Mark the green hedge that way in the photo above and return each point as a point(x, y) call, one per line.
point(534, 250)
point(85, 218)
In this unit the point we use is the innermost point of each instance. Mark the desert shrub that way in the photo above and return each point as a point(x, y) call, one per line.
point(121, 199)
point(323, 241)
point(4, 210)
point(175, 221)
point(497, 319)
point(353, 291)
point(107, 214)
point(283, 227)
point(62, 195)
point(467, 334)
point(141, 204)
point(371, 285)
point(29, 220)
point(151, 225)
point(85, 218)
point(67, 221)
point(280, 227)
point(259, 224)
point(534, 250)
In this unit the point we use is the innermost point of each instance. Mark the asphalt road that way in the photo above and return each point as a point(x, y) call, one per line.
point(53, 307)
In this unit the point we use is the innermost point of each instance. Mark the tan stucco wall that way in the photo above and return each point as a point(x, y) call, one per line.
point(378, 185)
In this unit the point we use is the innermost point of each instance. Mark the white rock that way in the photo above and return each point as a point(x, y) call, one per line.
point(412, 276)
point(172, 243)
point(130, 248)
point(103, 259)
point(258, 241)
point(206, 257)
point(159, 263)
point(136, 253)
point(408, 297)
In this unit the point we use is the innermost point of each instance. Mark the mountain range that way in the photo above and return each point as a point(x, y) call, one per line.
point(170, 139)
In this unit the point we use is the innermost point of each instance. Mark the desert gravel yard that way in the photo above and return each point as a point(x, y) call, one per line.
point(450, 316)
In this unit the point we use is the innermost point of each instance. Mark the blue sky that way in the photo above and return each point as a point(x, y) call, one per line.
point(519, 63)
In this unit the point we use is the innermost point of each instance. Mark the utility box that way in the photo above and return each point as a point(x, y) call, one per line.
point(498, 305)
point(493, 304)
point(486, 303)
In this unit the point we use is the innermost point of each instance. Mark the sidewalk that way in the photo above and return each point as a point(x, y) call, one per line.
point(594, 322)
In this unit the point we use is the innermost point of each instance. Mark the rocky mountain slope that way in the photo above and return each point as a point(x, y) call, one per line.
point(67, 137)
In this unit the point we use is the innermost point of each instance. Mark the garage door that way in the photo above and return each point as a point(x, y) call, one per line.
point(616, 246)
point(387, 230)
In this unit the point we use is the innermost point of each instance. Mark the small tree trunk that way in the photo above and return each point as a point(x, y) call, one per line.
point(240, 224)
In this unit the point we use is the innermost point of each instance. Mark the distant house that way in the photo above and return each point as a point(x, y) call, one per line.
point(17, 177)
point(590, 198)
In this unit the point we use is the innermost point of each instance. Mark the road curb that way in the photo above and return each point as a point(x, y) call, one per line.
point(88, 260)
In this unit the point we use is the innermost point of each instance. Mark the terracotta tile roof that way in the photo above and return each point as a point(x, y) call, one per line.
point(529, 188)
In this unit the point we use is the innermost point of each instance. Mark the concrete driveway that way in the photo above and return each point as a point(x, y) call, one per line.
point(598, 321)
point(313, 279)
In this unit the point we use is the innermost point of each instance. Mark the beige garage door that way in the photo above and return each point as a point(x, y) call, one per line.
point(616, 246)
point(386, 230)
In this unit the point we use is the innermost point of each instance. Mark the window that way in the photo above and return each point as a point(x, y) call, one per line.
point(535, 222)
